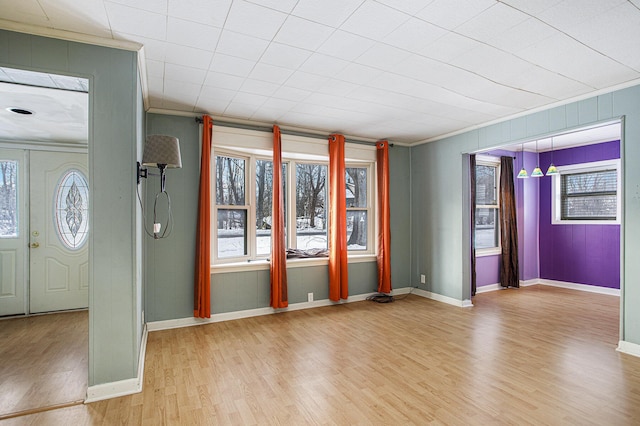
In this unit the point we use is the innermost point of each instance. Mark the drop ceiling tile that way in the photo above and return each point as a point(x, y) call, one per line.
point(374, 20)
point(523, 35)
point(70, 83)
point(155, 68)
point(492, 22)
point(155, 87)
point(358, 74)
point(327, 12)
point(249, 98)
point(547, 83)
point(213, 106)
point(187, 33)
point(153, 49)
point(449, 46)
point(240, 110)
point(345, 46)
point(570, 13)
point(25, 9)
point(221, 80)
point(91, 19)
point(135, 21)
point(258, 87)
point(609, 32)
point(254, 20)
point(532, 7)
point(285, 6)
point(291, 93)
point(181, 91)
point(240, 45)
point(337, 87)
point(491, 63)
point(270, 73)
point(410, 7)
point(209, 92)
point(298, 32)
point(383, 57)
point(186, 74)
point(306, 81)
point(208, 12)
point(450, 14)
point(571, 58)
point(196, 58)
point(279, 104)
point(231, 65)
point(325, 65)
point(285, 56)
point(158, 6)
point(29, 77)
point(414, 35)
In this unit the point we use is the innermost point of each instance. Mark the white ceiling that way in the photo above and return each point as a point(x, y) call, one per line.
point(406, 70)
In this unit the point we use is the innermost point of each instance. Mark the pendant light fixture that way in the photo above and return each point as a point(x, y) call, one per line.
point(523, 172)
point(537, 172)
point(552, 170)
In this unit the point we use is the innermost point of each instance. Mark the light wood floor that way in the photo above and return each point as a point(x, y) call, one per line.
point(43, 361)
point(537, 355)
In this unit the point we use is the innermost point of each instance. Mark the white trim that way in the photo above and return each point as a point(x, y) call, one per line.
point(229, 316)
point(264, 264)
point(440, 298)
point(582, 287)
point(69, 35)
point(595, 166)
point(121, 387)
point(628, 348)
point(551, 283)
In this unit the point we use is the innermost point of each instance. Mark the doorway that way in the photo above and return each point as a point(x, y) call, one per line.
point(44, 228)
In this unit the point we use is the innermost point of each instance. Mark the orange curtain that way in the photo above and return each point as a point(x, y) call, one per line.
point(202, 291)
point(384, 228)
point(338, 274)
point(279, 298)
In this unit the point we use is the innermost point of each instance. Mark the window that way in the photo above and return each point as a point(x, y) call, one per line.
point(357, 208)
point(71, 209)
point(587, 193)
point(244, 195)
point(487, 227)
point(8, 199)
point(231, 208)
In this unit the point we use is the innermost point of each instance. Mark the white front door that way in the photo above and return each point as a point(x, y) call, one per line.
point(13, 232)
point(59, 261)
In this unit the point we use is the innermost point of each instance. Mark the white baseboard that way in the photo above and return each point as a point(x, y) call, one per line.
point(122, 387)
point(628, 348)
point(228, 316)
point(552, 283)
point(440, 298)
point(582, 287)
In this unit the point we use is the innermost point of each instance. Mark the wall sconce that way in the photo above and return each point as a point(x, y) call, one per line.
point(163, 152)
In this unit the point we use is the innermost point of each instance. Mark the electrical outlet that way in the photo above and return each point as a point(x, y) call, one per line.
point(423, 279)
point(309, 297)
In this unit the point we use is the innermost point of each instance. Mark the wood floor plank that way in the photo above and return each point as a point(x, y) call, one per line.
point(537, 355)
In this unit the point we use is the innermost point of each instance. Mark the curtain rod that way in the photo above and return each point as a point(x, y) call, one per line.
point(284, 132)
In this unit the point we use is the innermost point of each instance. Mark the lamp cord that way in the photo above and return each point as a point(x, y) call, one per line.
point(168, 228)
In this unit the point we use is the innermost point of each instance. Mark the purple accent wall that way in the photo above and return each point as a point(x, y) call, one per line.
point(584, 254)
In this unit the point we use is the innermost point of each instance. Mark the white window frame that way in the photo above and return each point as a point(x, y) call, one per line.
point(488, 160)
point(255, 145)
point(556, 193)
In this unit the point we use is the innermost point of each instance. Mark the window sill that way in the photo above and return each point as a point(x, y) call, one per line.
point(488, 252)
point(263, 264)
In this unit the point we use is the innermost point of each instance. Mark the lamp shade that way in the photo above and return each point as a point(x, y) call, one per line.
point(537, 172)
point(162, 149)
point(552, 170)
point(523, 174)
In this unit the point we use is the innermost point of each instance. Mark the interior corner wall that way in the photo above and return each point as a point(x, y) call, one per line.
point(437, 182)
point(113, 344)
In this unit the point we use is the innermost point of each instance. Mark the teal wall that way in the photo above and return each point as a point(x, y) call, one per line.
point(114, 309)
point(170, 263)
point(439, 192)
